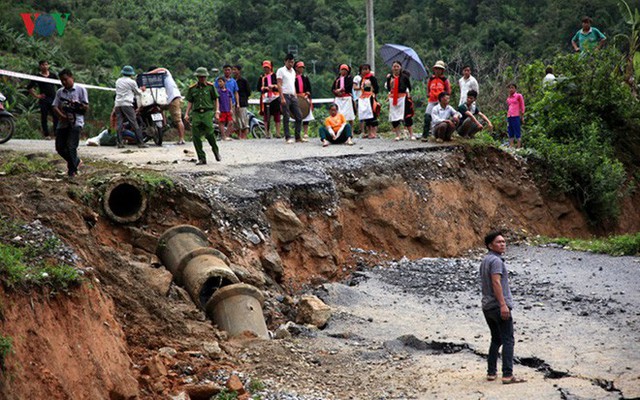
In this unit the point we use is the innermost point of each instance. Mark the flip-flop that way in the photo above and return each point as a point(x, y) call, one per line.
point(512, 380)
point(492, 377)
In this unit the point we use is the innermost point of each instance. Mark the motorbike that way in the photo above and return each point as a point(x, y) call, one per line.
point(7, 124)
point(152, 123)
point(256, 126)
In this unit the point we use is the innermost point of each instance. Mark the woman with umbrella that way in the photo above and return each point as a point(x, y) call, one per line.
point(342, 88)
point(400, 103)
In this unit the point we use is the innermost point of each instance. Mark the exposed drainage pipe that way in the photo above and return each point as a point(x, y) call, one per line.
point(237, 309)
point(124, 201)
point(206, 275)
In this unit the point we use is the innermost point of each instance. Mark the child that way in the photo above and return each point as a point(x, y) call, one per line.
point(368, 109)
point(336, 129)
point(515, 115)
point(223, 109)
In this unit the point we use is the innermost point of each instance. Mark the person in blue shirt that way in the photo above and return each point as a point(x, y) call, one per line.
point(588, 38)
point(232, 86)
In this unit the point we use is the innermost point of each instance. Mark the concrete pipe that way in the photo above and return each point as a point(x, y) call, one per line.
point(124, 201)
point(204, 274)
point(237, 309)
point(176, 247)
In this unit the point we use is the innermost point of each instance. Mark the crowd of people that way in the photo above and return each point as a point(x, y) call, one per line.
point(286, 96)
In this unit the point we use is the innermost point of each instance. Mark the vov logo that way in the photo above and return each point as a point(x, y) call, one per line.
point(45, 24)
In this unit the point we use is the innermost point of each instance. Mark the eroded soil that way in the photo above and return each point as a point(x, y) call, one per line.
point(289, 227)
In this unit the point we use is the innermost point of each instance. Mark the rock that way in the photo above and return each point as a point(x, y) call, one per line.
point(143, 240)
point(282, 333)
point(202, 391)
point(155, 368)
point(168, 351)
point(314, 246)
point(285, 224)
point(193, 207)
point(272, 263)
point(252, 237)
point(212, 349)
point(158, 279)
point(180, 396)
point(311, 310)
point(235, 385)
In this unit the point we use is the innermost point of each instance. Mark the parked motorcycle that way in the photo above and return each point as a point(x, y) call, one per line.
point(7, 124)
point(152, 123)
point(256, 126)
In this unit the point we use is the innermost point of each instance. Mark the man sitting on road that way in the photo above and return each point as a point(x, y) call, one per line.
point(443, 119)
point(336, 130)
point(469, 124)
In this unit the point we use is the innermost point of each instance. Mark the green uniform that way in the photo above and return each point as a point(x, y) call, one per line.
point(203, 99)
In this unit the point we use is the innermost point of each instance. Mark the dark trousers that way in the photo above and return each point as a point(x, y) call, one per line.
point(67, 140)
point(128, 113)
point(291, 109)
point(444, 131)
point(46, 108)
point(344, 135)
point(501, 335)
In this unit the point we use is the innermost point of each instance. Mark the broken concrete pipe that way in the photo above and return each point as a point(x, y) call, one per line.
point(124, 201)
point(237, 309)
point(200, 269)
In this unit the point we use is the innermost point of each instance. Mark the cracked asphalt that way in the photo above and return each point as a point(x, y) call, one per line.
point(577, 320)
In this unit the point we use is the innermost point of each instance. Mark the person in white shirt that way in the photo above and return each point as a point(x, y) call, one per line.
point(126, 89)
point(466, 83)
point(444, 119)
point(549, 78)
point(286, 77)
point(175, 100)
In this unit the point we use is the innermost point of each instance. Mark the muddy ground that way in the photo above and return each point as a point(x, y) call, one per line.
point(335, 226)
point(414, 330)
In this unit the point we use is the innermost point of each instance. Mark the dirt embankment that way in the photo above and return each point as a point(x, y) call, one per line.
point(282, 225)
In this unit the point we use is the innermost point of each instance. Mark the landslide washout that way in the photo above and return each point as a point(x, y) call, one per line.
point(284, 226)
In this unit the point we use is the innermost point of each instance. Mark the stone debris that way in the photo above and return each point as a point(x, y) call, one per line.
point(311, 310)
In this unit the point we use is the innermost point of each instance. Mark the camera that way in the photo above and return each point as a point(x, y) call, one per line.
point(74, 107)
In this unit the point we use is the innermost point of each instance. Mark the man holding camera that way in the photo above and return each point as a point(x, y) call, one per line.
point(70, 104)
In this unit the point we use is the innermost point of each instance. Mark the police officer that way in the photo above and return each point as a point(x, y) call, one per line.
point(201, 98)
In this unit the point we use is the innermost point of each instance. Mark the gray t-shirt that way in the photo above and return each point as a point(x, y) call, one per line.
point(76, 94)
point(494, 264)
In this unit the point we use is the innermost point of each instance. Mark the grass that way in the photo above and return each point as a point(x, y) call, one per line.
point(18, 164)
point(6, 346)
point(25, 262)
point(623, 245)
point(225, 394)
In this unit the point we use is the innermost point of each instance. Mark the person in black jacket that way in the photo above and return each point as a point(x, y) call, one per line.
point(45, 97)
point(342, 88)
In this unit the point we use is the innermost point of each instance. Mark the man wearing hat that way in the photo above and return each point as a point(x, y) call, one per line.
point(126, 89)
point(436, 84)
point(201, 98)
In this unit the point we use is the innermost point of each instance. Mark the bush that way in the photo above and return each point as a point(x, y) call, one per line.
point(576, 129)
point(624, 245)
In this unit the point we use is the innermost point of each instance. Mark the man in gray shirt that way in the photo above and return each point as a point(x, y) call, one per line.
point(126, 89)
point(497, 303)
point(70, 104)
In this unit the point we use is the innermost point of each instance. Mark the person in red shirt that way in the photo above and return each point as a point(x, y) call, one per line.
point(436, 84)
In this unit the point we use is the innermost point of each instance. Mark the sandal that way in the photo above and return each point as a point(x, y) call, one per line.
point(397, 139)
point(511, 380)
point(492, 377)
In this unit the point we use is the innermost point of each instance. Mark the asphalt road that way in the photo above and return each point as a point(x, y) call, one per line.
point(173, 157)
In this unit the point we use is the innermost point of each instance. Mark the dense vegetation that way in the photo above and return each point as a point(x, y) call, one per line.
point(584, 130)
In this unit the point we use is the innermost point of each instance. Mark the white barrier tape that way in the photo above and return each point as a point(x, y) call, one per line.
point(49, 80)
point(314, 101)
point(57, 82)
